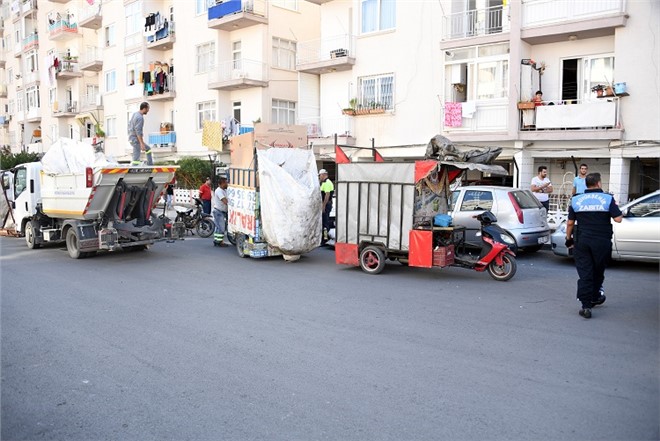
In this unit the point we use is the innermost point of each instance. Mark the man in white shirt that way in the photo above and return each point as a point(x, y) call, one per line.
point(220, 212)
point(542, 187)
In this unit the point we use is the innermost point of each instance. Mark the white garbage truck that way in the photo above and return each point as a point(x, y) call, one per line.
point(96, 206)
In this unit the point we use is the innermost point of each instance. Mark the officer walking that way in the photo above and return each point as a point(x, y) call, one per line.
point(593, 240)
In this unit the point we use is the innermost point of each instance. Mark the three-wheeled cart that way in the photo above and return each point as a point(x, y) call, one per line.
point(386, 210)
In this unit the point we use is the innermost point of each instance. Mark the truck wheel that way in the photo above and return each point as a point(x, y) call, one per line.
point(240, 245)
point(31, 229)
point(72, 245)
point(505, 271)
point(372, 260)
point(205, 228)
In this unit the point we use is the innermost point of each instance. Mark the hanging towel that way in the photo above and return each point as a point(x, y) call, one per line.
point(468, 109)
point(212, 135)
point(453, 114)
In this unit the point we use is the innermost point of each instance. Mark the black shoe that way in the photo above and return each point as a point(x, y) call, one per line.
point(585, 312)
point(599, 301)
point(222, 244)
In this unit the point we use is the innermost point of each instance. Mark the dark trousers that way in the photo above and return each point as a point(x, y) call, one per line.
point(325, 218)
point(206, 206)
point(591, 257)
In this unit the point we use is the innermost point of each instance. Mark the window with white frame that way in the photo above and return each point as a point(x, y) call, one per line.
point(110, 128)
point(283, 112)
point(376, 91)
point(54, 133)
point(377, 15)
point(20, 101)
point(32, 97)
point(205, 112)
point(581, 76)
point(477, 73)
point(110, 81)
point(205, 57)
point(288, 4)
point(52, 96)
point(110, 37)
point(284, 53)
point(10, 107)
point(134, 23)
point(201, 6)
point(236, 54)
point(133, 68)
point(31, 61)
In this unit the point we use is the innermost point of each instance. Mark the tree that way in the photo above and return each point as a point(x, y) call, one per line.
point(192, 172)
point(9, 160)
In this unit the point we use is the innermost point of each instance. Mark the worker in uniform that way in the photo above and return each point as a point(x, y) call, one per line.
point(327, 190)
point(592, 211)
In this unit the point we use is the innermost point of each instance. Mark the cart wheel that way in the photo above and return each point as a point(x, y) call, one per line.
point(505, 271)
point(372, 260)
point(31, 229)
point(240, 245)
point(72, 245)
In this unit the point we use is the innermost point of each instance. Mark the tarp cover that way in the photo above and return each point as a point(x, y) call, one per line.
point(290, 199)
point(67, 156)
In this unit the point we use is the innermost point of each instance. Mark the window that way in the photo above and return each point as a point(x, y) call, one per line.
point(110, 81)
point(52, 96)
point(475, 200)
point(580, 75)
point(205, 112)
point(205, 57)
point(134, 24)
point(284, 112)
point(649, 207)
point(236, 54)
point(20, 181)
point(477, 73)
point(31, 63)
point(377, 15)
point(284, 53)
point(288, 4)
point(110, 38)
point(10, 75)
point(32, 97)
point(54, 133)
point(201, 6)
point(236, 106)
point(525, 200)
point(376, 92)
point(133, 68)
point(110, 128)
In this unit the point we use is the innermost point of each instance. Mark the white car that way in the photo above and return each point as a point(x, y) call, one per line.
point(636, 238)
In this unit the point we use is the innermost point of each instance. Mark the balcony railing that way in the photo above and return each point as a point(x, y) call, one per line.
point(488, 116)
point(162, 139)
point(476, 22)
point(31, 77)
point(69, 109)
point(62, 29)
point(326, 54)
point(92, 59)
point(91, 101)
point(545, 12)
point(238, 74)
point(68, 67)
point(29, 42)
point(90, 16)
point(163, 90)
point(237, 14)
point(585, 115)
point(25, 7)
point(163, 39)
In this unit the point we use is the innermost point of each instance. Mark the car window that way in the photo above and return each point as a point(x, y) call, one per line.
point(649, 207)
point(454, 198)
point(477, 200)
point(525, 199)
point(20, 181)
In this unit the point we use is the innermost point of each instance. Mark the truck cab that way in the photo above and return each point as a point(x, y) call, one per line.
point(25, 190)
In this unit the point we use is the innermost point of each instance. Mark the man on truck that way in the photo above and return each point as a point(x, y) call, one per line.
point(327, 189)
point(136, 135)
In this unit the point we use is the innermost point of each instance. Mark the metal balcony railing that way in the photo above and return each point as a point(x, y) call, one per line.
point(239, 69)
point(324, 49)
point(544, 12)
point(29, 42)
point(91, 54)
point(476, 22)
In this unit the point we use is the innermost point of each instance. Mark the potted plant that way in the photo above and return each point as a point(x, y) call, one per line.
point(352, 103)
point(598, 88)
point(99, 131)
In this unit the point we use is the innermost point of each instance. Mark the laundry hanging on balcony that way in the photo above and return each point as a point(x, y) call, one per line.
point(453, 114)
point(468, 109)
point(212, 135)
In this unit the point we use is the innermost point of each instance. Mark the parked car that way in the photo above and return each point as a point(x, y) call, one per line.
point(517, 211)
point(636, 238)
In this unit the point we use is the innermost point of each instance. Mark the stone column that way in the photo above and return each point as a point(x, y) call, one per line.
point(525, 172)
point(619, 178)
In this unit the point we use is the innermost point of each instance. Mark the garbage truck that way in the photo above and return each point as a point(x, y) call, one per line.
point(89, 205)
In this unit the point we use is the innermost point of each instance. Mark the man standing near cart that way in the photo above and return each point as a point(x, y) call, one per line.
point(327, 190)
point(206, 194)
point(136, 135)
point(220, 212)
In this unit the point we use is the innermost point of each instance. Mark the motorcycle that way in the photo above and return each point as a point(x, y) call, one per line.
point(195, 219)
point(497, 252)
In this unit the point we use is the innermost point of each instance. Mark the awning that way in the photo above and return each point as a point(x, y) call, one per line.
point(81, 117)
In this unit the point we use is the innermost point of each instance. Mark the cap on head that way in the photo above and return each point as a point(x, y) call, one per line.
point(323, 172)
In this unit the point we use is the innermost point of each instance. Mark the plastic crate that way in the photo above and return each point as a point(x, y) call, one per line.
point(443, 256)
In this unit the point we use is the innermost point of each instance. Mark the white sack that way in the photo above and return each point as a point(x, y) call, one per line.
point(290, 199)
point(66, 156)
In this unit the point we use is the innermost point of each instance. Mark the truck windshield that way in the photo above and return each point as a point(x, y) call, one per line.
point(526, 199)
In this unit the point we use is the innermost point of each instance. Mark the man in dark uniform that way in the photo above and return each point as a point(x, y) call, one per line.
point(593, 240)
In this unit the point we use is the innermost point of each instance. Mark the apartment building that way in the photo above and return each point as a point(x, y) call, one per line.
point(461, 68)
point(80, 68)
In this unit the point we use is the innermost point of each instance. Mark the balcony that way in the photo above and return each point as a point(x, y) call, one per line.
point(551, 21)
point(90, 16)
point(68, 68)
point(326, 55)
point(163, 142)
point(581, 120)
point(239, 74)
point(26, 8)
point(30, 42)
point(33, 114)
point(91, 101)
point(489, 116)
point(31, 78)
point(232, 15)
point(61, 30)
point(476, 23)
point(92, 59)
point(165, 91)
point(3, 91)
point(321, 133)
point(70, 109)
point(164, 38)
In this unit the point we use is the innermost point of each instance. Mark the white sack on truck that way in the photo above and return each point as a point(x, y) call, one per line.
point(290, 199)
point(67, 156)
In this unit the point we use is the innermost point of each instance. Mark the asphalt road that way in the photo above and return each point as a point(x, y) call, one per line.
point(187, 341)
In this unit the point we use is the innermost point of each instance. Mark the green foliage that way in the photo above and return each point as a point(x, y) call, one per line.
point(9, 160)
point(192, 172)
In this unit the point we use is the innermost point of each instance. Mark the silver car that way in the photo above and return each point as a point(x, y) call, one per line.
point(636, 238)
point(517, 211)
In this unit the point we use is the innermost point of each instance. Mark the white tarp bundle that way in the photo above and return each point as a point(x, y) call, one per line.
point(66, 156)
point(290, 199)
